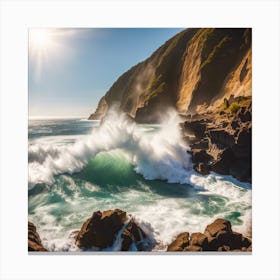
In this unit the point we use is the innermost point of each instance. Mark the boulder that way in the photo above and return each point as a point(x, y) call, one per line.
point(217, 226)
point(133, 233)
point(100, 229)
point(193, 248)
point(246, 242)
point(199, 239)
point(180, 242)
point(34, 240)
point(218, 236)
point(224, 248)
point(213, 244)
point(235, 241)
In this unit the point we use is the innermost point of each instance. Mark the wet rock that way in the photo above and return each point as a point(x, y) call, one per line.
point(133, 233)
point(224, 161)
point(224, 248)
point(235, 241)
point(199, 155)
point(213, 244)
point(197, 128)
point(202, 168)
point(100, 229)
point(180, 242)
point(246, 242)
point(217, 226)
point(218, 236)
point(34, 240)
point(193, 248)
point(199, 239)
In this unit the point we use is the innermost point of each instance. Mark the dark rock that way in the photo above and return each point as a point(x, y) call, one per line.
point(235, 241)
point(223, 162)
point(199, 239)
point(224, 237)
point(34, 240)
point(132, 233)
point(224, 248)
point(246, 242)
point(193, 248)
point(197, 128)
point(244, 116)
point(202, 144)
point(242, 170)
point(202, 168)
point(235, 124)
point(217, 226)
point(100, 230)
point(180, 242)
point(199, 155)
point(221, 137)
point(213, 244)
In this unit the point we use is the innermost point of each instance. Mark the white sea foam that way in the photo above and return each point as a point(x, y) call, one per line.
point(161, 155)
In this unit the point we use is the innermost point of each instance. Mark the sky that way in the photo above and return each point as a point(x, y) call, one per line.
point(71, 69)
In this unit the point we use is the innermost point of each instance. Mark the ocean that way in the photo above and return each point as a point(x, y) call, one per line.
point(78, 166)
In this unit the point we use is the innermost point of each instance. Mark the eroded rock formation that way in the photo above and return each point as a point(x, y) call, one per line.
point(218, 236)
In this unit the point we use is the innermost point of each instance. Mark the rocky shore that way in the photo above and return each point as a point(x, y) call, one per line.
point(221, 140)
point(115, 230)
point(34, 240)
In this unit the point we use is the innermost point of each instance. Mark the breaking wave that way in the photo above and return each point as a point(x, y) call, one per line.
point(159, 155)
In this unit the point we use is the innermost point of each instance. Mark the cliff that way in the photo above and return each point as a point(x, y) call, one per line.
point(192, 72)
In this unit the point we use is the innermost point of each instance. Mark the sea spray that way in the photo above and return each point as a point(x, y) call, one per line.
point(161, 155)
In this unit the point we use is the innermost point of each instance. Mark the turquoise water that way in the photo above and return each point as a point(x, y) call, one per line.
point(77, 167)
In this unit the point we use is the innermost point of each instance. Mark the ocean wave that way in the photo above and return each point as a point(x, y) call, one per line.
point(160, 155)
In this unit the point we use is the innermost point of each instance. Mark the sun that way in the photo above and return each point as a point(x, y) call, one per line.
point(40, 38)
point(48, 47)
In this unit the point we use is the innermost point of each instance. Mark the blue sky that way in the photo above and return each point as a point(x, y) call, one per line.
point(71, 69)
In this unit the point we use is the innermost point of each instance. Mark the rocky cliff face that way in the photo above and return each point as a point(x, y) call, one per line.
point(192, 72)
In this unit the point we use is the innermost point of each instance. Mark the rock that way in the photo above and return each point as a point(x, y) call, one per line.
point(100, 230)
point(242, 170)
point(217, 226)
point(213, 244)
point(199, 155)
point(246, 242)
point(193, 248)
point(180, 242)
point(202, 144)
point(223, 163)
point(224, 237)
point(221, 137)
point(235, 241)
point(224, 248)
point(199, 239)
point(235, 124)
point(133, 233)
point(34, 240)
point(218, 236)
point(202, 168)
point(197, 128)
